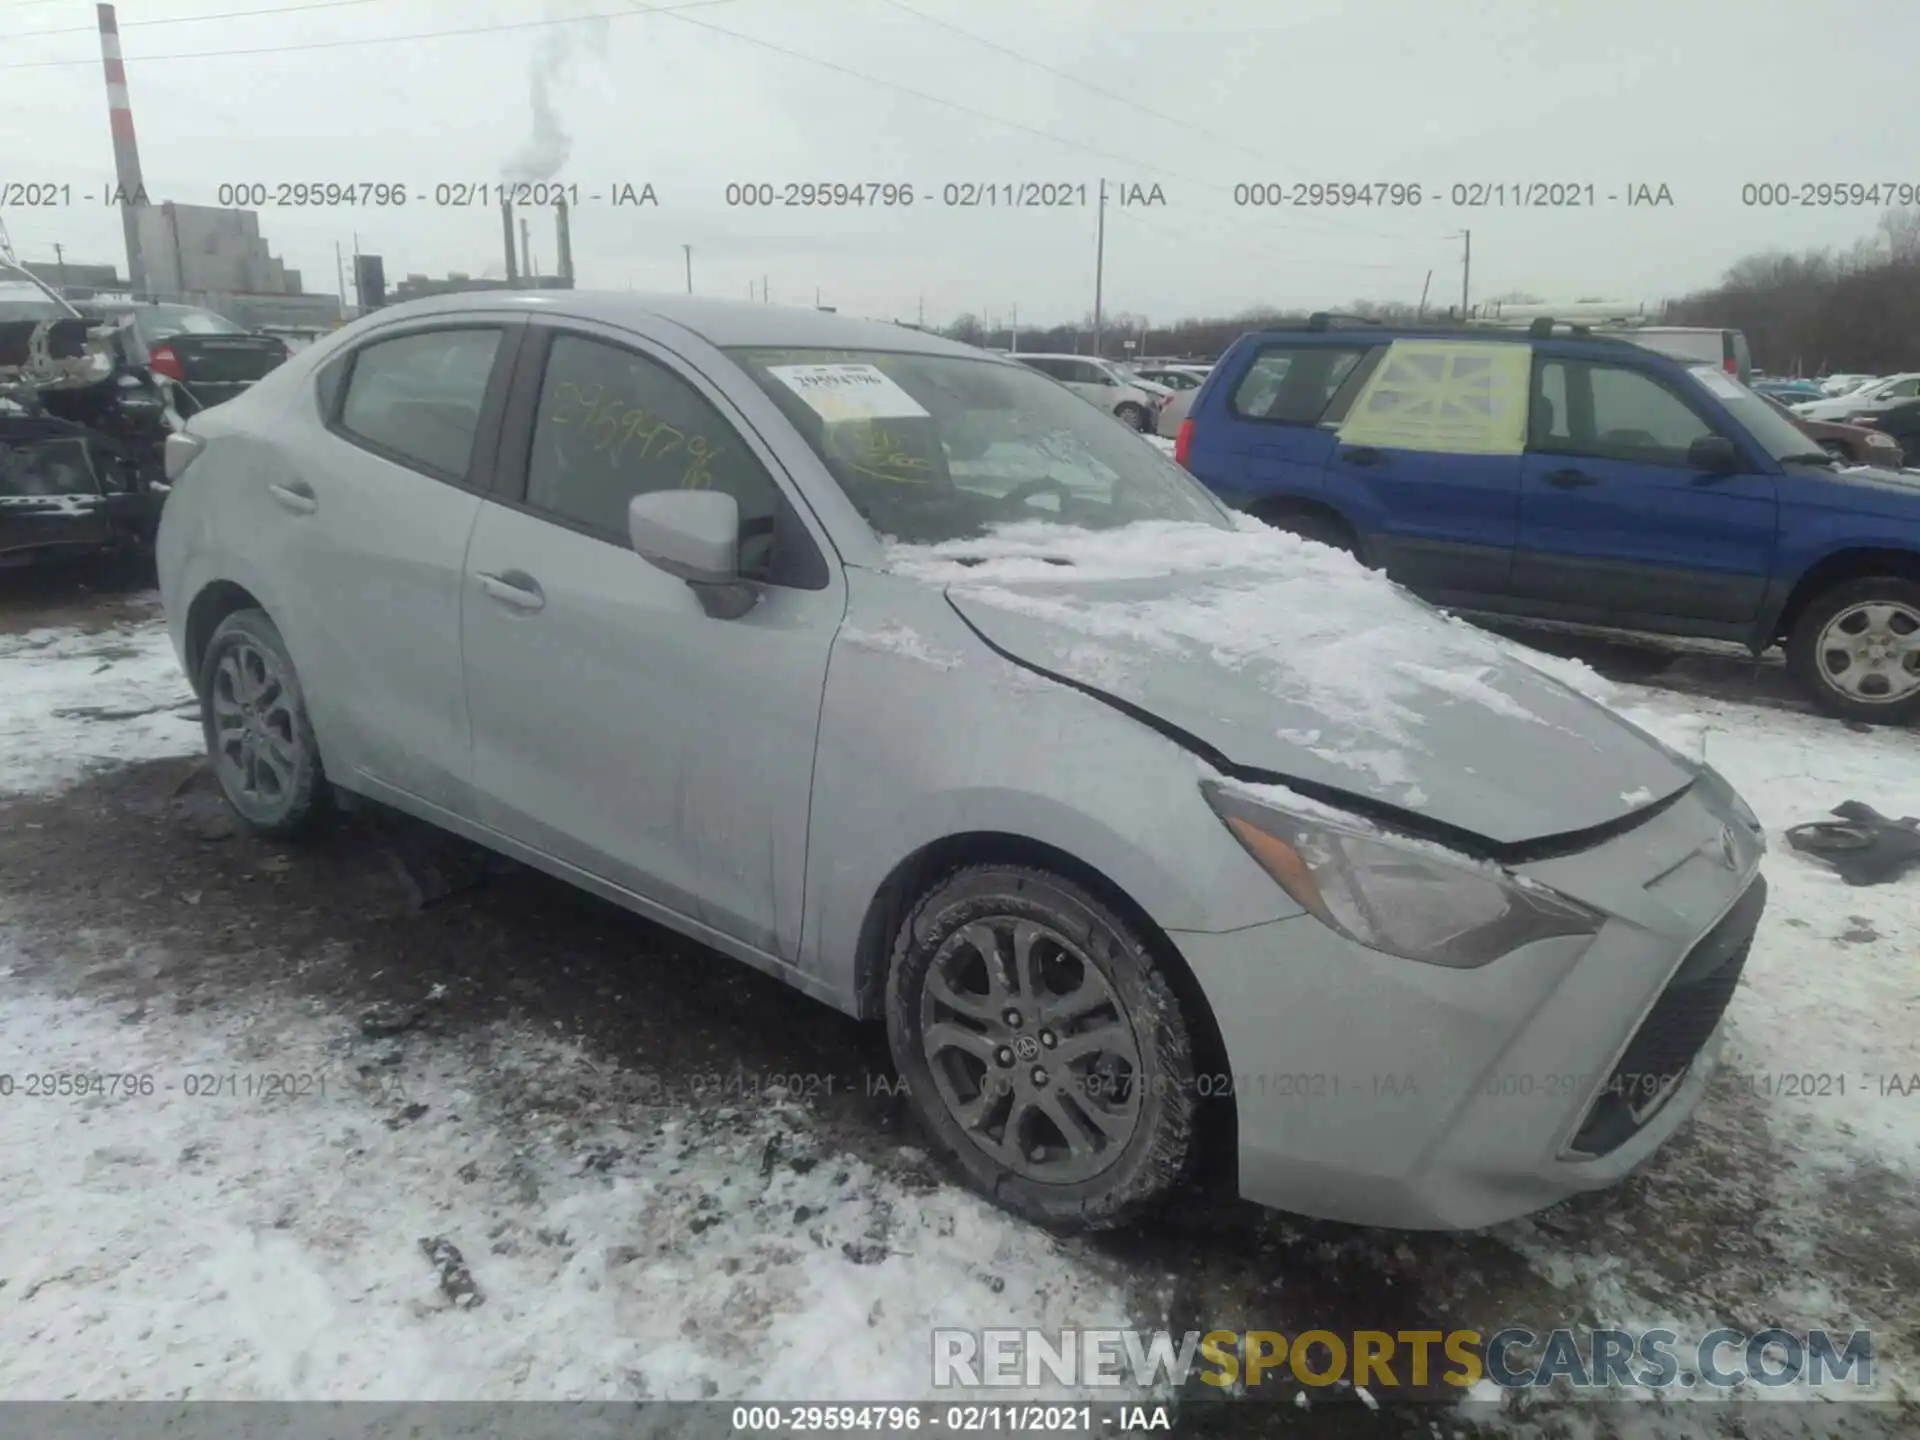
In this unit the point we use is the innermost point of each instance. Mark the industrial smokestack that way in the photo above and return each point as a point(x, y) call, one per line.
point(563, 242)
point(526, 250)
point(126, 154)
point(506, 232)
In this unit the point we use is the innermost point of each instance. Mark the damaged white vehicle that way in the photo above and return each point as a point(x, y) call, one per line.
point(82, 430)
point(895, 670)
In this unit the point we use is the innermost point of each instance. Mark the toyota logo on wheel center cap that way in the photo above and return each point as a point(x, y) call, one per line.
point(1026, 1047)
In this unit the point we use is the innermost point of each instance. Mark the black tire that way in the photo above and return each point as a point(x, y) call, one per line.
point(1839, 449)
point(1112, 1178)
point(254, 716)
point(1132, 415)
point(1813, 656)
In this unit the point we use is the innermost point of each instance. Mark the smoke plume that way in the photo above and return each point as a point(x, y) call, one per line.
point(549, 145)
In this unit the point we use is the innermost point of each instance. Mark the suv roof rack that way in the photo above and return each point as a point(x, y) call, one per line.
point(1323, 319)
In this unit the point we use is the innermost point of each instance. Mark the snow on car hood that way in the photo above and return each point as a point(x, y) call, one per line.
point(1289, 658)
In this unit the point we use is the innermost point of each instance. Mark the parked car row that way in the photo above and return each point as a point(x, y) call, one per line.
point(1087, 811)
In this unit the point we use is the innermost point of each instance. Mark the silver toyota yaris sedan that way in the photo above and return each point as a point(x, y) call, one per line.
point(892, 668)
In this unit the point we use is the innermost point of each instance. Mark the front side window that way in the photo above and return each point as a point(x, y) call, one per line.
point(931, 448)
point(613, 424)
point(418, 397)
point(1293, 384)
point(1614, 413)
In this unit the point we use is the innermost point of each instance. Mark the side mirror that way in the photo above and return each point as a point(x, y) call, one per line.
point(1714, 454)
point(694, 535)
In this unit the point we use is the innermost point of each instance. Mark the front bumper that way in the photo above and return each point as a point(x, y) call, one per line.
point(45, 527)
point(1385, 1092)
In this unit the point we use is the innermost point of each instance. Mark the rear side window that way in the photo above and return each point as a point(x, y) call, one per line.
point(1293, 384)
point(614, 424)
point(418, 397)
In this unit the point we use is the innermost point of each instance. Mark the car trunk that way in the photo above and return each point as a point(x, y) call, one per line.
point(218, 367)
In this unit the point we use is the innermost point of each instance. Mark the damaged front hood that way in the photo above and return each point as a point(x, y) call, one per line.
point(1287, 658)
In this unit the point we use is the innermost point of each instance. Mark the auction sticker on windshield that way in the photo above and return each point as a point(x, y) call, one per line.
point(848, 392)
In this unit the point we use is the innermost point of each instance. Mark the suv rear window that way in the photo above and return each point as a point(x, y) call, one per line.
point(1293, 384)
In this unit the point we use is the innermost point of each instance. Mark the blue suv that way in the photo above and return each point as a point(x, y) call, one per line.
point(1548, 474)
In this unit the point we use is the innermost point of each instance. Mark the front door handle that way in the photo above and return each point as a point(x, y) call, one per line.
point(515, 588)
point(1569, 479)
point(295, 495)
point(1363, 455)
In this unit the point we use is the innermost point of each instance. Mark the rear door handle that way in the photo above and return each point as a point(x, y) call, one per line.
point(1569, 479)
point(1364, 455)
point(515, 588)
point(296, 496)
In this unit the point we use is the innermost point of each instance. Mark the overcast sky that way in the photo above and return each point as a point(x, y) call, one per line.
point(1199, 95)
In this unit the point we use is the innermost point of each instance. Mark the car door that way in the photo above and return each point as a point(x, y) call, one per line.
point(1614, 521)
point(1089, 382)
point(1264, 433)
point(371, 514)
point(617, 727)
point(1428, 462)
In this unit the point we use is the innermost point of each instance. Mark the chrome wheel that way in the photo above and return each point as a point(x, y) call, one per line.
point(255, 733)
point(1030, 1049)
point(1870, 652)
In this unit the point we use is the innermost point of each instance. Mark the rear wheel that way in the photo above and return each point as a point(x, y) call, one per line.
point(259, 738)
point(1043, 1048)
point(1856, 650)
point(1314, 525)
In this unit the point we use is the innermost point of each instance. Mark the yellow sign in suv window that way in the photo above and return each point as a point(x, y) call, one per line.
point(1464, 397)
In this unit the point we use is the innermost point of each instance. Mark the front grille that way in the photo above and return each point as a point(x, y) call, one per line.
point(1676, 1027)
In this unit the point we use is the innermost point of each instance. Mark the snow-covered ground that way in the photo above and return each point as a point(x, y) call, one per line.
point(163, 1241)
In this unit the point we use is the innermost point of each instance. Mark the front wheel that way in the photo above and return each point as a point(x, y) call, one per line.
point(1043, 1049)
point(1856, 650)
point(1838, 449)
point(1132, 415)
point(259, 738)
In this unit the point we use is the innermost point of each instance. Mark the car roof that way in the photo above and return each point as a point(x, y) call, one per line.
point(722, 323)
point(1050, 355)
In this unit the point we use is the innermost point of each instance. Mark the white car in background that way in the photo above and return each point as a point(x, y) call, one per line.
point(1884, 395)
point(1136, 402)
point(1846, 384)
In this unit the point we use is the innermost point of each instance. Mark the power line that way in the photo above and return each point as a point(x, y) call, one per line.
point(980, 114)
point(193, 19)
point(1072, 79)
point(377, 39)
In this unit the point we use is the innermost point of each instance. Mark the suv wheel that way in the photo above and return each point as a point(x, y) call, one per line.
point(1856, 650)
point(1043, 1049)
point(1132, 414)
point(1839, 449)
point(259, 738)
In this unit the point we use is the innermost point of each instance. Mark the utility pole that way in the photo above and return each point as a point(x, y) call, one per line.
point(1466, 273)
point(60, 260)
point(816, 297)
point(1423, 295)
point(340, 273)
point(1013, 344)
point(1099, 265)
point(688, 251)
point(922, 321)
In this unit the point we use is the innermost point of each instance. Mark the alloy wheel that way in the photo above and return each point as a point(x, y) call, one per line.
point(1031, 1050)
point(1870, 652)
point(255, 739)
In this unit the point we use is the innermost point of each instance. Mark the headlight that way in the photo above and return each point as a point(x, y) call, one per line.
point(1399, 897)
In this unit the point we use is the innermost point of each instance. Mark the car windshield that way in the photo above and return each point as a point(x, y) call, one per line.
point(931, 448)
point(156, 321)
point(23, 300)
point(1771, 431)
